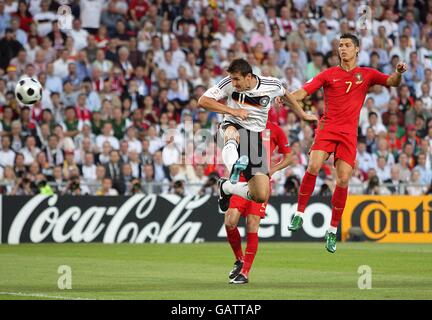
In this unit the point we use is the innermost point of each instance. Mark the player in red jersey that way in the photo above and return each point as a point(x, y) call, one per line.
point(345, 87)
point(273, 137)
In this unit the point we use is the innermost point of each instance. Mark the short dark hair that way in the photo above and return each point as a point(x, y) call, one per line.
point(241, 66)
point(372, 113)
point(353, 38)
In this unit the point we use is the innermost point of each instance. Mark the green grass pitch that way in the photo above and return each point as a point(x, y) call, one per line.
point(200, 271)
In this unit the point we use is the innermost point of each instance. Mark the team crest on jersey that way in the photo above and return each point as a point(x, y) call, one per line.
point(359, 78)
point(264, 101)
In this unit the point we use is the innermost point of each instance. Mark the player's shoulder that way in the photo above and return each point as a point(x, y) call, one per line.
point(269, 81)
point(331, 70)
point(224, 83)
point(369, 70)
point(324, 74)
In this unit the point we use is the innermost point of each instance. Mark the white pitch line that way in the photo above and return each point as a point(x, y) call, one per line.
point(39, 295)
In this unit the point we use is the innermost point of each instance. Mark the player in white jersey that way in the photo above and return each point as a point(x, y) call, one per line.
point(249, 100)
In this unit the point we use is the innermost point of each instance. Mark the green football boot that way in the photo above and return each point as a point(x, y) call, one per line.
point(240, 165)
point(330, 242)
point(296, 223)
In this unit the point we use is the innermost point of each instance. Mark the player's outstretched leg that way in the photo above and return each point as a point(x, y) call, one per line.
point(343, 172)
point(316, 160)
point(224, 197)
point(257, 189)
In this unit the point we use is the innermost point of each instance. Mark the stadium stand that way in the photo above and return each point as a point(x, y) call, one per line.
point(122, 79)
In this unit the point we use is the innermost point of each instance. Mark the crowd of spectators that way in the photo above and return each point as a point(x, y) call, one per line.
point(119, 113)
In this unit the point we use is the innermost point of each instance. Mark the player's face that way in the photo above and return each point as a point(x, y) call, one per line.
point(239, 82)
point(347, 50)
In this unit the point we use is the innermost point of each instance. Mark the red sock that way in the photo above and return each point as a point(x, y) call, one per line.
point(338, 205)
point(305, 191)
point(251, 250)
point(233, 236)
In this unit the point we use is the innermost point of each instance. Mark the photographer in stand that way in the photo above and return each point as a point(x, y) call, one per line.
point(74, 187)
point(24, 187)
point(135, 188)
point(210, 186)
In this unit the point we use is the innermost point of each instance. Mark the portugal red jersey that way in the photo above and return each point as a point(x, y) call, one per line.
point(344, 94)
point(273, 136)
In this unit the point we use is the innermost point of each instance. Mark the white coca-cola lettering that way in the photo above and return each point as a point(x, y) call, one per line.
point(22, 217)
point(117, 220)
point(49, 216)
point(72, 213)
point(123, 235)
point(188, 232)
point(150, 232)
point(94, 227)
point(174, 220)
point(87, 226)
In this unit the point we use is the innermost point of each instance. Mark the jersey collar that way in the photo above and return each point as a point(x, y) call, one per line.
point(340, 67)
point(258, 82)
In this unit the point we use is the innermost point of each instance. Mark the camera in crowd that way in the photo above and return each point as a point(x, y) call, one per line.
point(73, 186)
point(24, 182)
point(179, 188)
point(210, 186)
point(135, 187)
point(291, 186)
point(41, 184)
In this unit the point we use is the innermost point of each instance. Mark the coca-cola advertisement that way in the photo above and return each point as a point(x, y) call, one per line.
point(145, 219)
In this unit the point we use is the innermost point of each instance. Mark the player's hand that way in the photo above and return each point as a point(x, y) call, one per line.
point(240, 113)
point(278, 102)
point(401, 67)
point(310, 117)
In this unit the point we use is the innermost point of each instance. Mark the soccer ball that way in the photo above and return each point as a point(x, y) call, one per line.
point(28, 91)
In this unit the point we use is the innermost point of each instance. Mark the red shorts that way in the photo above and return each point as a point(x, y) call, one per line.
point(247, 207)
point(344, 146)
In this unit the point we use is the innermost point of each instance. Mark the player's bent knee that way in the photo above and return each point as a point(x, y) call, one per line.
point(230, 225)
point(343, 181)
point(230, 222)
point(261, 197)
point(231, 133)
point(252, 226)
point(314, 168)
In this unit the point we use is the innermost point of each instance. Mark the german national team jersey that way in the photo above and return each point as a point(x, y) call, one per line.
point(257, 100)
point(344, 94)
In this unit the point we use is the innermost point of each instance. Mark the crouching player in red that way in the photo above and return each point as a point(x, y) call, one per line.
point(273, 137)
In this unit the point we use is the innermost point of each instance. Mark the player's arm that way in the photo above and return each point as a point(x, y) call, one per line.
point(210, 100)
point(395, 78)
point(285, 162)
point(300, 94)
point(212, 104)
point(309, 88)
point(295, 106)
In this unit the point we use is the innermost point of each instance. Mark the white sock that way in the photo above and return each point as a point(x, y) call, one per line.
point(240, 189)
point(230, 154)
point(298, 213)
point(332, 229)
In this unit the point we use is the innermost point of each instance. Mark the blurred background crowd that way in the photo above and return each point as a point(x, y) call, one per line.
point(122, 79)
